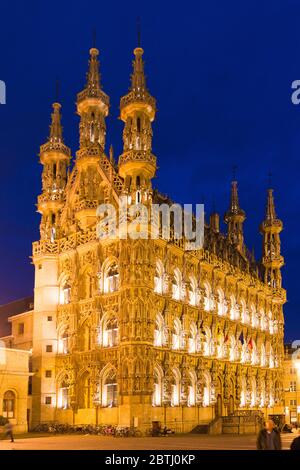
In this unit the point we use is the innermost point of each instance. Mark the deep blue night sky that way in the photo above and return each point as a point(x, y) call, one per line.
point(221, 73)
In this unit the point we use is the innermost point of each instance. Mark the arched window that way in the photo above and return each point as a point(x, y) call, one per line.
point(208, 298)
point(65, 294)
point(110, 389)
point(64, 395)
point(110, 332)
point(222, 307)
point(159, 278)
point(263, 321)
point(176, 336)
point(175, 388)
point(263, 359)
point(158, 383)
point(244, 313)
point(63, 342)
point(192, 345)
point(207, 389)
point(193, 292)
point(208, 349)
point(111, 278)
point(177, 285)
point(191, 401)
point(234, 310)
point(254, 317)
point(271, 323)
point(159, 331)
point(9, 404)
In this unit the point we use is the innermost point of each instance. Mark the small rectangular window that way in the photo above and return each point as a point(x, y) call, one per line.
point(21, 328)
point(48, 400)
point(48, 374)
point(49, 348)
point(49, 318)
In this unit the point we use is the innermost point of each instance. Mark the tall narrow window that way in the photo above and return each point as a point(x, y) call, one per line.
point(111, 278)
point(9, 401)
point(159, 278)
point(110, 390)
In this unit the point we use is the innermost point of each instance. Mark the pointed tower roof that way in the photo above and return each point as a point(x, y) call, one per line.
point(56, 127)
point(270, 210)
point(138, 95)
point(271, 219)
point(234, 208)
point(55, 142)
point(93, 89)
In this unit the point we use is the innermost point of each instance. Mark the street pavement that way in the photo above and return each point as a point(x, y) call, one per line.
point(177, 442)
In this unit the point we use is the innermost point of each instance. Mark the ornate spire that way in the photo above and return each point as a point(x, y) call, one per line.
point(235, 218)
point(270, 209)
point(92, 88)
point(93, 74)
point(56, 127)
point(272, 260)
point(55, 157)
point(138, 79)
point(92, 107)
point(234, 201)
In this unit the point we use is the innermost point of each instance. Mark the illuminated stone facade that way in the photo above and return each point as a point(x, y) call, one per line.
point(291, 384)
point(130, 331)
point(14, 376)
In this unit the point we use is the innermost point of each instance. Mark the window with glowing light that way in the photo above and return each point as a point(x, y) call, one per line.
point(9, 403)
point(175, 388)
point(176, 336)
point(159, 331)
point(110, 333)
point(110, 390)
point(159, 278)
point(176, 285)
point(111, 279)
point(65, 294)
point(64, 396)
point(193, 295)
point(157, 388)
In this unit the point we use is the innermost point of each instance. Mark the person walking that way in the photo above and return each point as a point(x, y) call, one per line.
point(8, 431)
point(269, 437)
point(295, 445)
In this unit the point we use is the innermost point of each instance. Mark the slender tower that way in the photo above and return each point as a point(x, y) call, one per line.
point(270, 229)
point(92, 107)
point(137, 164)
point(235, 217)
point(55, 158)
